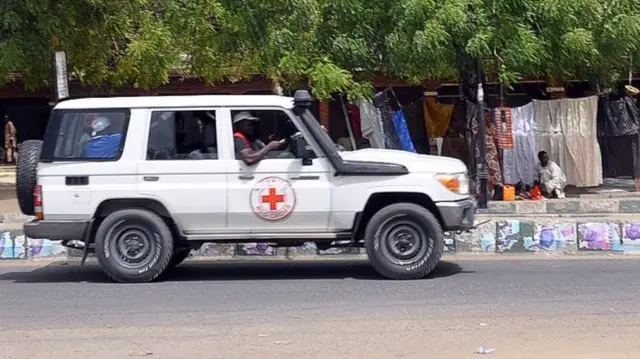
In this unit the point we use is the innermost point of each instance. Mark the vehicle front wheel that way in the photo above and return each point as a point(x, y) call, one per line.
point(133, 246)
point(404, 241)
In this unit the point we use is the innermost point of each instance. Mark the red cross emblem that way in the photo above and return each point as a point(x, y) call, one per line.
point(273, 198)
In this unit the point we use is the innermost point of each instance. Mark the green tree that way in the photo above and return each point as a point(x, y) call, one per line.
point(327, 45)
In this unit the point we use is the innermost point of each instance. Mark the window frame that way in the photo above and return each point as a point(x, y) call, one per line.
point(297, 122)
point(49, 147)
point(215, 110)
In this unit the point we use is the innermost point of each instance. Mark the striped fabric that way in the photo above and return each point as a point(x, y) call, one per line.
point(504, 125)
point(621, 117)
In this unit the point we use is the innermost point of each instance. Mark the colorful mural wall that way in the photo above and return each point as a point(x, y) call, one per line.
point(494, 236)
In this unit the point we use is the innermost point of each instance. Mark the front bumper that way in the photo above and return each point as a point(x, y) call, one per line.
point(459, 215)
point(56, 230)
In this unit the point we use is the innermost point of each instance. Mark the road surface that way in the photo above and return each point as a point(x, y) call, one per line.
point(536, 309)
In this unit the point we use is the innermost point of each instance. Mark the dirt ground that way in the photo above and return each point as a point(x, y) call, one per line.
point(8, 202)
point(385, 337)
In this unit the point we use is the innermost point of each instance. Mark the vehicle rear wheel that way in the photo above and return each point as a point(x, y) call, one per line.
point(26, 176)
point(179, 257)
point(133, 246)
point(404, 241)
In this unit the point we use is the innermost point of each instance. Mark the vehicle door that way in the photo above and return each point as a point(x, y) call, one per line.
point(183, 170)
point(280, 193)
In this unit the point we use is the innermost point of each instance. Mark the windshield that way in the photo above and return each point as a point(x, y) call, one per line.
point(319, 133)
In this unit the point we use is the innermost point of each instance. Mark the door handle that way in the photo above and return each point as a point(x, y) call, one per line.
point(245, 177)
point(151, 178)
point(309, 178)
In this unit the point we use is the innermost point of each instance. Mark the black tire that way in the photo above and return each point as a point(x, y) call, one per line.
point(179, 257)
point(26, 176)
point(384, 241)
point(123, 230)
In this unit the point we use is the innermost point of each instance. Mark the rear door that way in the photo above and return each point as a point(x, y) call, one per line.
point(81, 164)
point(184, 171)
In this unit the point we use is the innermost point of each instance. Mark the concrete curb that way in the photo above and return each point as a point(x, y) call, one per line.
point(500, 235)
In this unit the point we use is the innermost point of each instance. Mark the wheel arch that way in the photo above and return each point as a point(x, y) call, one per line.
point(112, 205)
point(379, 200)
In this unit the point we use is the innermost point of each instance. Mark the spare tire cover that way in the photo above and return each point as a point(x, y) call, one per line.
point(26, 176)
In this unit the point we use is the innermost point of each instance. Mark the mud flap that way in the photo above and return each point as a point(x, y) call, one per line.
point(476, 224)
point(87, 242)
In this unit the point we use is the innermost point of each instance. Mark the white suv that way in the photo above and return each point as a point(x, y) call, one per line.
point(143, 180)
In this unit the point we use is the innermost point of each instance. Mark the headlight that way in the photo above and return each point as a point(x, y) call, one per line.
point(457, 183)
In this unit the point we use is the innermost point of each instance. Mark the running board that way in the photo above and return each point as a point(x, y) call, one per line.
point(244, 237)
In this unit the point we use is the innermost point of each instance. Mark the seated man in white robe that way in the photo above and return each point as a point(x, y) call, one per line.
point(550, 177)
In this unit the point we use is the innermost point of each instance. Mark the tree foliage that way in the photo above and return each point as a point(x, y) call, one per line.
point(329, 45)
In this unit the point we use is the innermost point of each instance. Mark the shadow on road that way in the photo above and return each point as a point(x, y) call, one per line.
point(220, 271)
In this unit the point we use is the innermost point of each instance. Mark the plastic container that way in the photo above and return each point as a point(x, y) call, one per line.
point(508, 193)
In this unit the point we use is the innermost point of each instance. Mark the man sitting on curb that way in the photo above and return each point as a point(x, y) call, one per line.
point(550, 177)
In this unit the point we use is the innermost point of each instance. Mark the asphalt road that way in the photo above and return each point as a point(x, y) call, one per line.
point(523, 309)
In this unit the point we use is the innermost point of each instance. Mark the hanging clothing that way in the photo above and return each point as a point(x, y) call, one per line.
point(519, 163)
point(618, 131)
point(455, 139)
point(371, 124)
point(621, 117)
point(504, 127)
point(567, 130)
point(354, 117)
point(391, 140)
point(491, 151)
point(436, 118)
point(400, 125)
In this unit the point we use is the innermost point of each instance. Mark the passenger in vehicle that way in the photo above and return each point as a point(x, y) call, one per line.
point(246, 139)
point(189, 135)
point(103, 142)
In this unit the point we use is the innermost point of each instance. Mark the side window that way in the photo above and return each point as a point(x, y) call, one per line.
point(85, 135)
point(254, 129)
point(182, 135)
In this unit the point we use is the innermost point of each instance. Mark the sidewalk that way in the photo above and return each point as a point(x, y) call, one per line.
point(607, 223)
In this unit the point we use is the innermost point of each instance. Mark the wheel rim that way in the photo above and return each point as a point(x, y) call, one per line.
point(131, 245)
point(403, 240)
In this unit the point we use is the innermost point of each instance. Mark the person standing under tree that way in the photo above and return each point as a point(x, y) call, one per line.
point(10, 141)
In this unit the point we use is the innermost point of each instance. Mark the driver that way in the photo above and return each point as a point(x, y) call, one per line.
point(246, 139)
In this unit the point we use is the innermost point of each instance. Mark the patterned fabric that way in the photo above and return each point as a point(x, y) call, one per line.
point(618, 117)
point(504, 127)
point(404, 138)
point(491, 151)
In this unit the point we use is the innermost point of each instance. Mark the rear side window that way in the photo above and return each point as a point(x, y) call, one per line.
point(85, 135)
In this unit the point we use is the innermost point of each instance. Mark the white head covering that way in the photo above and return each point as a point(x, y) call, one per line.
point(99, 125)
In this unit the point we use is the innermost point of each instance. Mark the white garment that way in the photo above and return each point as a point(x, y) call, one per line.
point(566, 129)
point(552, 178)
point(371, 123)
point(519, 162)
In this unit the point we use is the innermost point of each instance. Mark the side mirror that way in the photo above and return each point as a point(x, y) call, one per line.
point(298, 145)
point(301, 150)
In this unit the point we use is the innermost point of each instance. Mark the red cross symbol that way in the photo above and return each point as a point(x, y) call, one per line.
point(273, 199)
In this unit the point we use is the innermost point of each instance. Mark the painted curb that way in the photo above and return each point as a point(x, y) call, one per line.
point(498, 236)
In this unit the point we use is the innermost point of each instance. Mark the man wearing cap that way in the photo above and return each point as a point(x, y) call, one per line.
point(246, 141)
